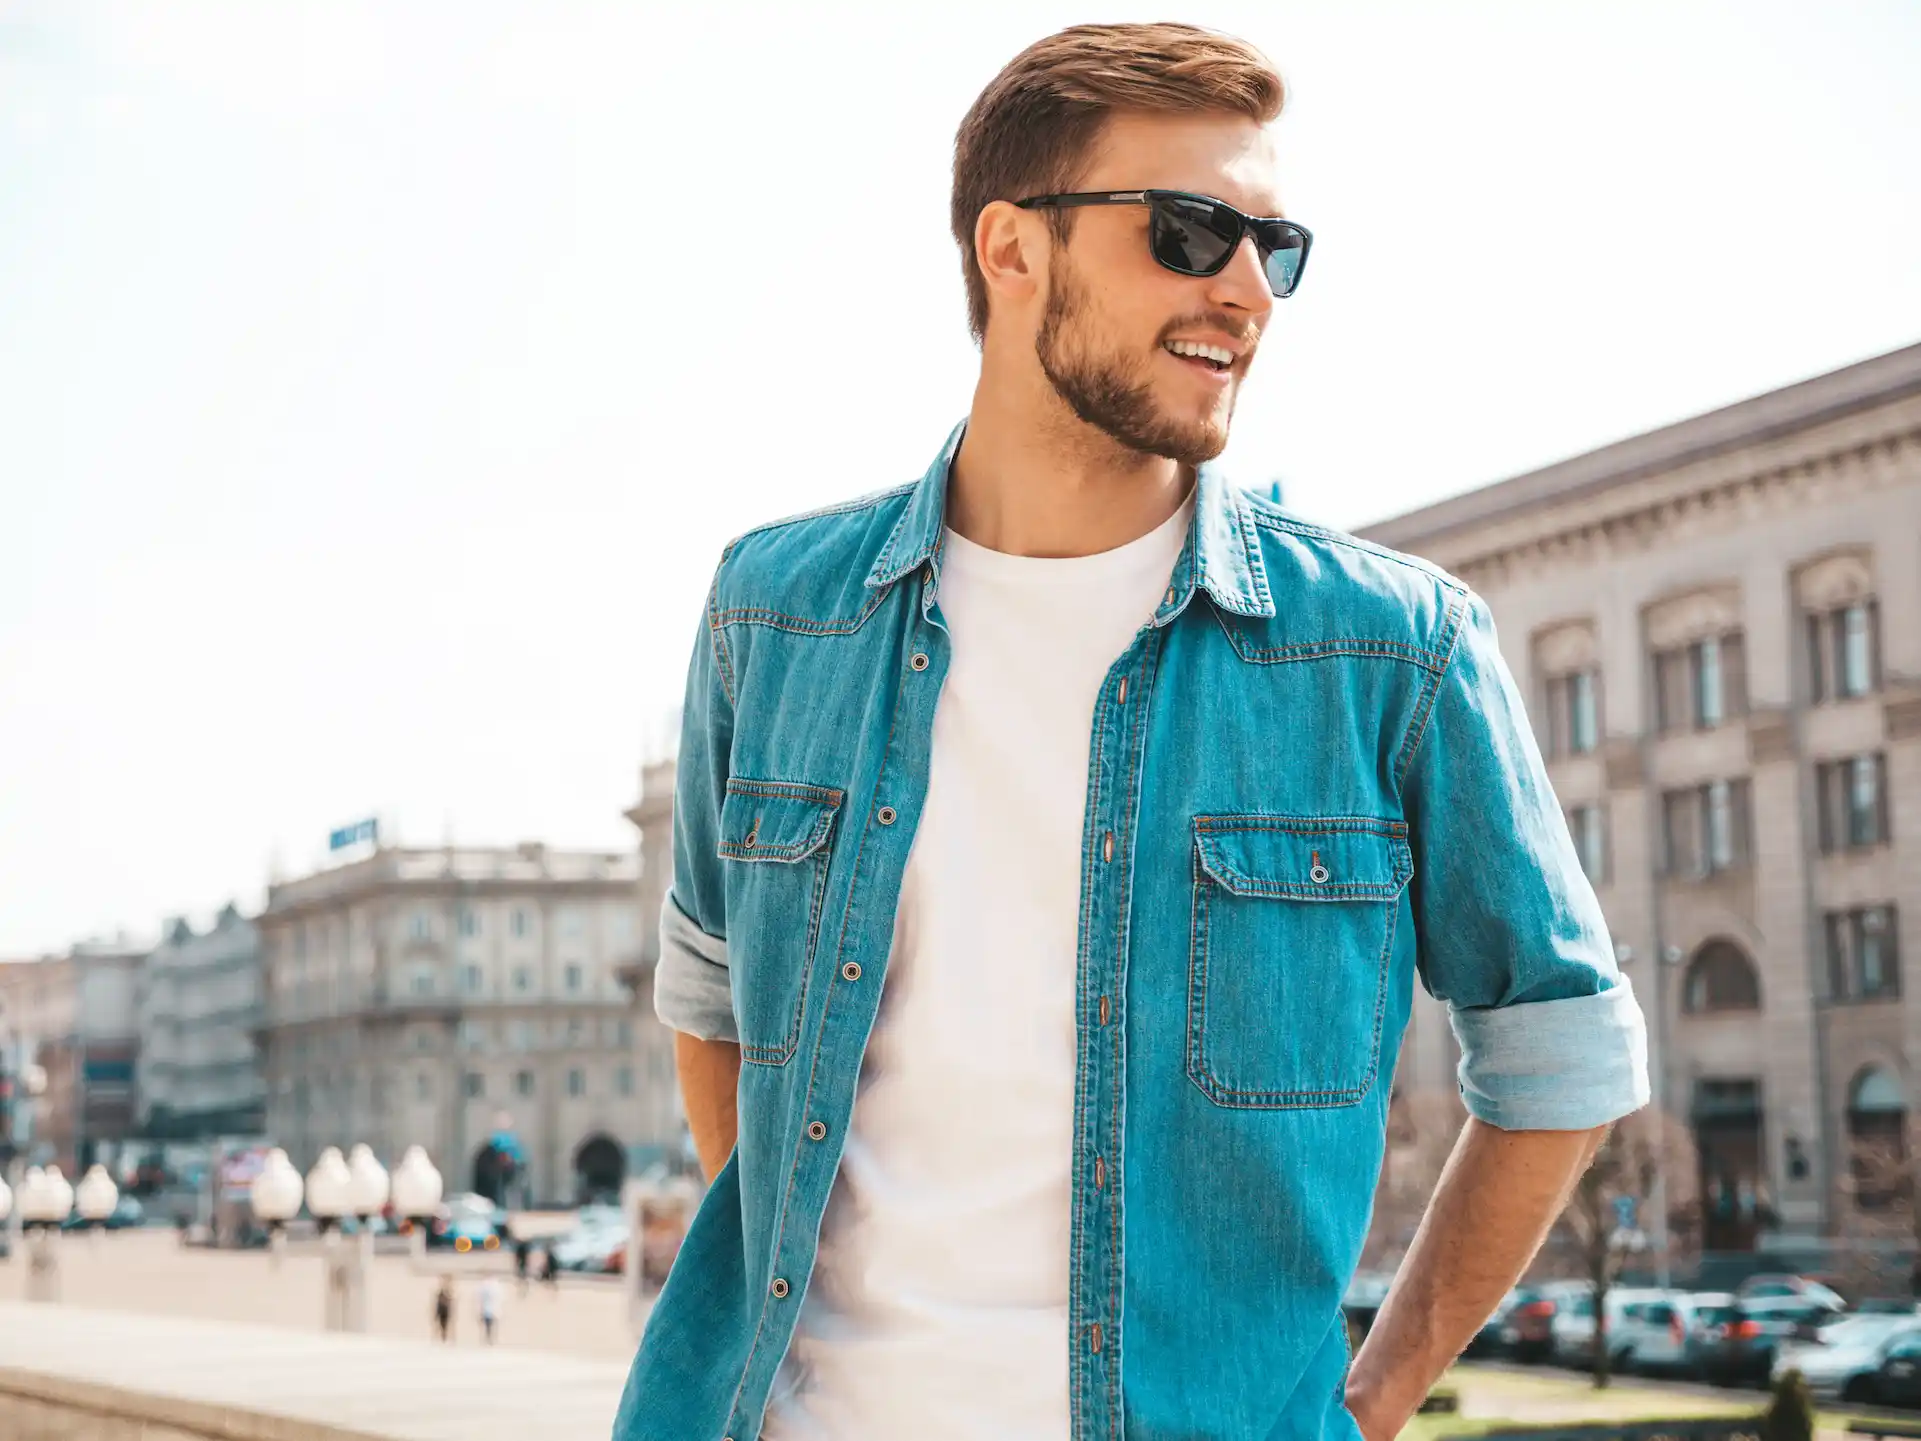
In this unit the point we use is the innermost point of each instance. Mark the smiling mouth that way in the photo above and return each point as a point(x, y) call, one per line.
point(1213, 358)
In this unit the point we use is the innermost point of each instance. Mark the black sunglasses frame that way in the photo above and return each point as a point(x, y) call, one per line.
point(1249, 225)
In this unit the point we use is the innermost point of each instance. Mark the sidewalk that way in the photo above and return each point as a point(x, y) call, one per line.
point(397, 1390)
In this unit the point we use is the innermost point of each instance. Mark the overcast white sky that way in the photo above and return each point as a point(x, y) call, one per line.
point(378, 382)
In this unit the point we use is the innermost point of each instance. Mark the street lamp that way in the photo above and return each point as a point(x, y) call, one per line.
point(45, 1201)
point(329, 1197)
point(275, 1196)
point(95, 1198)
point(416, 1188)
point(367, 1188)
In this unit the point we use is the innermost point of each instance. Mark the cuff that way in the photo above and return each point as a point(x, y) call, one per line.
point(693, 990)
point(1566, 1065)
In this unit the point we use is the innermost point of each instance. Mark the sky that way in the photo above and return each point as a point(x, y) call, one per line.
point(380, 382)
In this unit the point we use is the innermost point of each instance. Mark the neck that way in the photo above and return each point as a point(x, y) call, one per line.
point(1034, 479)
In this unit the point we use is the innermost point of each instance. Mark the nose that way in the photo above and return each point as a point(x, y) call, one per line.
point(1242, 285)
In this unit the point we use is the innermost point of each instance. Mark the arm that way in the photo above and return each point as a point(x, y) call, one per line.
point(1553, 1050)
point(693, 988)
point(1497, 1197)
point(709, 1084)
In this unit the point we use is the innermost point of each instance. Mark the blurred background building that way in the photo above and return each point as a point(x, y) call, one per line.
point(199, 1072)
point(76, 1016)
point(1717, 630)
point(477, 1001)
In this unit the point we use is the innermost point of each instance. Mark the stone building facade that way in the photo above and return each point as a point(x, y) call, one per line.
point(76, 1016)
point(1717, 629)
point(446, 996)
point(199, 1074)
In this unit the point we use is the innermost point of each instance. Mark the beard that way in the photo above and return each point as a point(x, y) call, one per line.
point(1107, 391)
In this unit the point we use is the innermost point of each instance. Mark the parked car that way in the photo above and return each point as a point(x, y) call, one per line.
point(1784, 1320)
point(1897, 1381)
point(1845, 1361)
point(1487, 1341)
point(1527, 1331)
point(1706, 1334)
point(1769, 1286)
point(1573, 1325)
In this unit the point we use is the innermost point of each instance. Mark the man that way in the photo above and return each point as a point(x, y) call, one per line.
point(1057, 841)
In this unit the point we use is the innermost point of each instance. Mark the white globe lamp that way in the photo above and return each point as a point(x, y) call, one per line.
point(367, 1182)
point(96, 1195)
point(329, 1187)
point(417, 1185)
point(276, 1192)
point(6, 1200)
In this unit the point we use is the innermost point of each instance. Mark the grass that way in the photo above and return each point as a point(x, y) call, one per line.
point(1494, 1399)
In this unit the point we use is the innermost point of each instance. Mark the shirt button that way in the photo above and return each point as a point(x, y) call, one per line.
point(751, 839)
point(1122, 697)
point(885, 815)
point(1100, 1173)
point(850, 971)
point(919, 662)
point(1094, 1337)
point(779, 1288)
point(1170, 601)
point(1107, 847)
point(1103, 1010)
point(817, 1130)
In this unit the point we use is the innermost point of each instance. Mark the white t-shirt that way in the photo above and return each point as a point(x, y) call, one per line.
point(938, 1303)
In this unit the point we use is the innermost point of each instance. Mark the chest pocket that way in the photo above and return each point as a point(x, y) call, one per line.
point(1287, 986)
point(775, 837)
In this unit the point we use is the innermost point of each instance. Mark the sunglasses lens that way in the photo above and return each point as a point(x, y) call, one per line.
point(1283, 253)
point(1192, 236)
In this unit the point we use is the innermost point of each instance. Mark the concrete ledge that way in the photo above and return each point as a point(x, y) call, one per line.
point(69, 1374)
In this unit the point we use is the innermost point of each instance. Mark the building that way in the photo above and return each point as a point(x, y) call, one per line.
point(1717, 630)
point(76, 1016)
point(465, 999)
point(199, 1073)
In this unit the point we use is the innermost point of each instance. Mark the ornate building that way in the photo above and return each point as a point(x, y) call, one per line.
point(1717, 627)
point(460, 997)
point(199, 1075)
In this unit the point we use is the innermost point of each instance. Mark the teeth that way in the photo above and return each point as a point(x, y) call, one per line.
point(1214, 353)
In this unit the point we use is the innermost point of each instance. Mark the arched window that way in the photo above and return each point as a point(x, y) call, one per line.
point(1721, 978)
point(1878, 1129)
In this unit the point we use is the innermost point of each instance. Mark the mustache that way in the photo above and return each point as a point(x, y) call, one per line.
point(1242, 331)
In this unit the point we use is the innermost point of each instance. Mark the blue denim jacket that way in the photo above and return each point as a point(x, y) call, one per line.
point(1310, 779)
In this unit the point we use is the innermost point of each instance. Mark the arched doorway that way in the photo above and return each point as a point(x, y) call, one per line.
point(1878, 1139)
point(1721, 978)
point(599, 1167)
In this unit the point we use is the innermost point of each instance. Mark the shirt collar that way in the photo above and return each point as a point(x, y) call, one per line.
point(1222, 554)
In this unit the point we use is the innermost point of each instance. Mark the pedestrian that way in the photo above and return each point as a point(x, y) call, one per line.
point(489, 1307)
point(550, 1270)
point(521, 1249)
point(1149, 802)
point(444, 1308)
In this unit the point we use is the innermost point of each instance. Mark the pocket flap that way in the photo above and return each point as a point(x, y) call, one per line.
point(1301, 858)
point(775, 820)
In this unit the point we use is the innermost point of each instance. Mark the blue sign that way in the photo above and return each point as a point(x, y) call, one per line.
point(1624, 1212)
point(353, 835)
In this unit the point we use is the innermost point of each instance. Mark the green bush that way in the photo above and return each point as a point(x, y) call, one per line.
point(1790, 1413)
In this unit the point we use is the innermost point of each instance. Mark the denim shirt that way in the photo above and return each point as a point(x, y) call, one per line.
point(1310, 778)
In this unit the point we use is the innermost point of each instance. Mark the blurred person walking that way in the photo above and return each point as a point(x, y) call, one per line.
point(444, 1308)
point(489, 1307)
point(1058, 839)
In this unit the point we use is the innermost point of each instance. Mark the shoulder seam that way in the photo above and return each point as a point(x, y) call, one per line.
point(1353, 542)
point(861, 502)
point(1452, 625)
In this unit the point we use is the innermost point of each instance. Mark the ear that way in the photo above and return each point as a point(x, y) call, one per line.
point(1011, 248)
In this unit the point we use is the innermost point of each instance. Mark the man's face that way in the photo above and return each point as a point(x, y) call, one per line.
point(1112, 311)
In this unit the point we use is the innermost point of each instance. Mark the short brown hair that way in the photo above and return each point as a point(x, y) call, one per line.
point(1031, 130)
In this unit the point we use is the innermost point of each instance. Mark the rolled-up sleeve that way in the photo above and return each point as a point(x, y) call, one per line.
point(693, 988)
point(1508, 931)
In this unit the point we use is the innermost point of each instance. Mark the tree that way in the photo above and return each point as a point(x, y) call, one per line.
point(1881, 1189)
point(1616, 1197)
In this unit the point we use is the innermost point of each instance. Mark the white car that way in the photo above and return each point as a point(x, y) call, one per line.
point(1841, 1364)
point(1573, 1326)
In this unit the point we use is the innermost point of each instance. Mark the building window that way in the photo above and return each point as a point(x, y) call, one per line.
point(423, 1087)
point(423, 1039)
point(520, 923)
point(624, 1080)
point(570, 923)
point(1853, 796)
point(469, 921)
point(576, 1082)
point(623, 1035)
point(1844, 652)
point(421, 983)
point(475, 1085)
point(1588, 826)
point(524, 1082)
point(573, 978)
point(1705, 828)
point(520, 1036)
point(1573, 713)
point(471, 979)
point(473, 1035)
point(523, 979)
point(1864, 961)
point(422, 926)
point(1878, 1140)
point(1700, 685)
point(622, 926)
point(1721, 978)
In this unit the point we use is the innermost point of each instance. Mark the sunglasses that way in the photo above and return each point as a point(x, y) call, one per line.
point(1197, 235)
